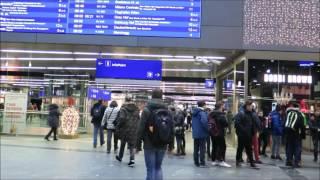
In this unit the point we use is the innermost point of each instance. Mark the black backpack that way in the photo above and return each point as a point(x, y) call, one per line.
point(214, 128)
point(97, 112)
point(161, 121)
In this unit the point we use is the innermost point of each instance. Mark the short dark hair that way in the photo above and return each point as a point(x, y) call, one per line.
point(296, 105)
point(278, 107)
point(201, 103)
point(248, 102)
point(113, 104)
point(218, 105)
point(128, 98)
point(100, 101)
point(157, 94)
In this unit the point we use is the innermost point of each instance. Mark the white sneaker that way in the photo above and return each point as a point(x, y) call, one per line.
point(224, 164)
point(215, 163)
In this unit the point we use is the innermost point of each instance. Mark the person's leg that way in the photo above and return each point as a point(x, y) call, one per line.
point(49, 134)
point(255, 147)
point(131, 148)
point(248, 147)
point(265, 140)
point(55, 133)
point(101, 135)
point(150, 159)
point(208, 146)
point(183, 144)
point(274, 144)
point(178, 145)
point(196, 151)
point(289, 149)
point(95, 134)
point(203, 151)
point(109, 137)
point(298, 151)
point(279, 138)
point(239, 149)
point(315, 147)
point(122, 147)
point(115, 140)
point(219, 148)
point(158, 163)
point(214, 149)
point(223, 148)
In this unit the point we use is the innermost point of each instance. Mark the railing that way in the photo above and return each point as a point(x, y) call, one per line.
point(37, 119)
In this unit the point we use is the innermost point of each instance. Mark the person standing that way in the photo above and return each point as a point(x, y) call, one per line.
point(179, 132)
point(294, 132)
point(314, 125)
point(277, 132)
point(108, 121)
point(127, 127)
point(156, 129)
point(189, 119)
point(200, 133)
point(244, 125)
point(230, 119)
point(217, 124)
point(53, 121)
point(97, 112)
point(255, 140)
point(264, 134)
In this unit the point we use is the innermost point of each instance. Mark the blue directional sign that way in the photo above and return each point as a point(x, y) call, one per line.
point(95, 93)
point(129, 69)
point(209, 83)
point(228, 85)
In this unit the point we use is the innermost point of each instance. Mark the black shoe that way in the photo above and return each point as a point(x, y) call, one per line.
point(238, 164)
point(315, 159)
point(197, 164)
point(289, 163)
point(55, 139)
point(258, 162)
point(108, 152)
point(131, 163)
point(273, 157)
point(241, 160)
point(118, 158)
point(265, 155)
point(278, 157)
point(203, 166)
point(297, 165)
point(46, 138)
point(183, 154)
point(94, 146)
point(253, 165)
point(102, 143)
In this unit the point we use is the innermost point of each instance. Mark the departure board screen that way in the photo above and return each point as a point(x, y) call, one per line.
point(163, 18)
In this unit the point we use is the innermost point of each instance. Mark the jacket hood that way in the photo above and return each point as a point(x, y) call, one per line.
point(196, 111)
point(53, 107)
point(292, 109)
point(217, 113)
point(131, 107)
point(156, 104)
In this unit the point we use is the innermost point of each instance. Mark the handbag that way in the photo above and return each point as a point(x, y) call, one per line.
point(106, 122)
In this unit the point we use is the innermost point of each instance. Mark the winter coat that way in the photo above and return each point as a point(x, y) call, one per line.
point(53, 118)
point(110, 115)
point(299, 129)
point(179, 123)
point(152, 105)
point(199, 124)
point(97, 121)
point(128, 121)
point(315, 127)
point(245, 124)
point(276, 123)
point(221, 121)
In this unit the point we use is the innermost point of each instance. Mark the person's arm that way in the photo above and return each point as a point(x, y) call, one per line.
point(204, 120)
point(224, 121)
point(142, 125)
point(104, 118)
point(121, 118)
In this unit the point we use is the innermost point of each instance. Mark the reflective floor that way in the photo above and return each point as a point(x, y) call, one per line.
point(34, 158)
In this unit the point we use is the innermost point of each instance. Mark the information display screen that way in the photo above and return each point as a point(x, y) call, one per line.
point(95, 93)
point(129, 69)
point(163, 18)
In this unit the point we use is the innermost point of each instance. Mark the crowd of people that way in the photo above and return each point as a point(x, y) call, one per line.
point(157, 126)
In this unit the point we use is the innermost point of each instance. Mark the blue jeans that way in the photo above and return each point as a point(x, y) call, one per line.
point(153, 159)
point(97, 128)
point(199, 147)
point(276, 145)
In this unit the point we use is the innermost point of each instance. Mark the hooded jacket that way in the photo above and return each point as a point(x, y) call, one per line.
point(110, 115)
point(276, 123)
point(53, 118)
point(152, 105)
point(221, 120)
point(245, 124)
point(97, 120)
point(199, 124)
point(296, 123)
point(128, 121)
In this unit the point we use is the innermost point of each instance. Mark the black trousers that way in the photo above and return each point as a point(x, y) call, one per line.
point(219, 148)
point(263, 141)
point(54, 131)
point(244, 143)
point(199, 148)
point(130, 147)
point(315, 141)
point(208, 146)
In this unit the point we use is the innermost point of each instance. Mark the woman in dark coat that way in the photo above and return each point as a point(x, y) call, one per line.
point(53, 121)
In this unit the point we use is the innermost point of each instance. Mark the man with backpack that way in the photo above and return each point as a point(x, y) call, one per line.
point(126, 129)
point(157, 132)
point(97, 112)
point(294, 132)
point(179, 131)
point(200, 133)
point(217, 124)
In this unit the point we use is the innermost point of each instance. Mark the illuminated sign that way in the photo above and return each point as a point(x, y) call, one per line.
point(292, 79)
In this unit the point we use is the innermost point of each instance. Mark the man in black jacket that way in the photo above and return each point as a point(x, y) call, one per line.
point(97, 112)
point(245, 128)
point(294, 132)
point(153, 153)
point(218, 138)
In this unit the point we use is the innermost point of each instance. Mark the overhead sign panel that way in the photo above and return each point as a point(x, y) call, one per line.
point(163, 18)
point(95, 93)
point(209, 83)
point(129, 69)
